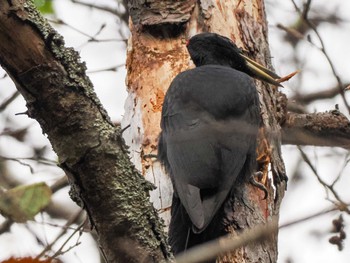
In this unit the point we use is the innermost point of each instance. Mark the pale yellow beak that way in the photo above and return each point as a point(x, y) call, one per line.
point(260, 72)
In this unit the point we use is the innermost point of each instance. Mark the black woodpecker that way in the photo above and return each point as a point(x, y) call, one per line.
point(209, 123)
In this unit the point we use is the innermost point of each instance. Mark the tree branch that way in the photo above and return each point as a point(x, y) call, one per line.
point(89, 146)
point(324, 51)
point(8, 101)
point(212, 249)
point(318, 95)
point(319, 129)
point(258, 233)
point(328, 187)
point(122, 15)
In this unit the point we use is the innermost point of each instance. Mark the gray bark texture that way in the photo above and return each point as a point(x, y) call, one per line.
point(320, 129)
point(89, 146)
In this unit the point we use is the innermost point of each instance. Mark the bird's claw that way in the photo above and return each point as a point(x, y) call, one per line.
point(259, 185)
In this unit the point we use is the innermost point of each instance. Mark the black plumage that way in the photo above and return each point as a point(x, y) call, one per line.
point(210, 120)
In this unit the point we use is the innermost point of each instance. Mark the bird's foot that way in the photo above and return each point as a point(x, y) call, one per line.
point(254, 182)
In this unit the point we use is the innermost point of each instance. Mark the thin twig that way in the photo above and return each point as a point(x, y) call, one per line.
point(340, 174)
point(325, 53)
point(62, 233)
point(321, 181)
point(307, 218)
point(91, 38)
point(5, 226)
point(41, 160)
point(59, 184)
point(18, 161)
point(124, 16)
point(59, 21)
point(319, 95)
point(222, 245)
point(56, 225)
point(8, 101)
point(59, 251)
point(306, 9)
point(113, 11)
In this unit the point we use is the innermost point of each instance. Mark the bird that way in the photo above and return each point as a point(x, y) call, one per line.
point(207, 144)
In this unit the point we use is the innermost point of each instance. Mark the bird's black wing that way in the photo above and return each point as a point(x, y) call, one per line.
point(209, 123)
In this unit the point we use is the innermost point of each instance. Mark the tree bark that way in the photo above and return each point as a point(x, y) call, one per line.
point(90, 148)
point(156, 54)
point(319, 129)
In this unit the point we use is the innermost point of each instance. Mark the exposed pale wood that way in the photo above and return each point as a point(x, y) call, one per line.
point(155, 57)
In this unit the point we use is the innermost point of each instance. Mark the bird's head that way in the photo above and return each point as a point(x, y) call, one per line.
point(211, 48)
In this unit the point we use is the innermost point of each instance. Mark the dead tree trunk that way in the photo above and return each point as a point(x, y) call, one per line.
point(156, 54)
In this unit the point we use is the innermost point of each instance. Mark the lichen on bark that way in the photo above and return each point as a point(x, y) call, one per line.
point(90, 149)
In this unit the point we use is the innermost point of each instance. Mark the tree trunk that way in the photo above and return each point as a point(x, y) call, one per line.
point(89, 147)
point(156, 54)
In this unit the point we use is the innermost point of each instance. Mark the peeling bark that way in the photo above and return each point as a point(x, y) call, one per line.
point(154, 60)
point(151, 65)
point(153, 12)
point(90, 148)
